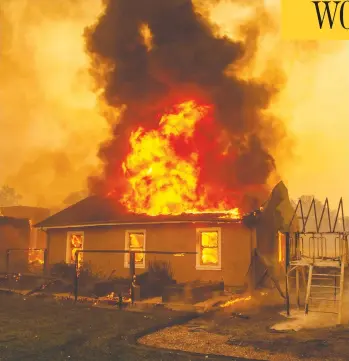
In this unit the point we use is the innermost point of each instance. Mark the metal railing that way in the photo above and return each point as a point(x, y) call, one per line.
point(132, 273)
point(317, 246)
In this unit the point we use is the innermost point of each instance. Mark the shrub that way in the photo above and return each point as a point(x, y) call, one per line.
point(153, 282)
point(67, 272)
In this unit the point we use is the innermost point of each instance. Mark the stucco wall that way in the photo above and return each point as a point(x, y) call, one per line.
point(14, 233)
point(235, 252)
point(35, 215)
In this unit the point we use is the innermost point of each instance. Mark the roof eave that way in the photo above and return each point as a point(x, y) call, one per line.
point(106, 224)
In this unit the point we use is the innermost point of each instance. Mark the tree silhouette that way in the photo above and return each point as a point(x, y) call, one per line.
point(9, 197)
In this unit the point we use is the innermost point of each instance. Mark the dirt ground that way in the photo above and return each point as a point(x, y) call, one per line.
point(246, 331)
point(36, 329)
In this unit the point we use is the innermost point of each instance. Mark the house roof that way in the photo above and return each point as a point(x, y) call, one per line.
point(15, 222)
point(35, 214)
point(104, 211)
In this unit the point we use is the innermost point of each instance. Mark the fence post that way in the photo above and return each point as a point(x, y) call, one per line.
point(132, 274)
point(45, 262)
point(287, 261)
point(7, 262)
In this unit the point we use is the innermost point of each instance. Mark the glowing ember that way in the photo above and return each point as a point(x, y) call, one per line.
point(116, 297)
point(163, 170)
point(36, 257)
point(146, 36)
point(236, 300)
point(112, 296)
point(241, 300)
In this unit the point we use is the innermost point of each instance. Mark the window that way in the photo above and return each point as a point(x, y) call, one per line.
point(75, 242)
point(135, 241)
point(208, 248)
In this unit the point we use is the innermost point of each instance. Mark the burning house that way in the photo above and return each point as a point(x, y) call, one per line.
point(221, 243)
point(190, 152)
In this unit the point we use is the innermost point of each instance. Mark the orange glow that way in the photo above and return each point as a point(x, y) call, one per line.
point(76, 244)
point(162, 170)
point(241, 300)
point(137, 244)
point(57, 128)
point(36, 257)
point(209, 248)
point(209, 255)
point(147, 36)
point(280, 246)
point(236, 300)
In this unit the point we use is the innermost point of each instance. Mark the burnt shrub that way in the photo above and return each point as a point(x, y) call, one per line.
point(153, 282)
point(115, 285)
point(66, 272)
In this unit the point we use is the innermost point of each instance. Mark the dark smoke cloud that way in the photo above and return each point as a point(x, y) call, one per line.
point(186, 59)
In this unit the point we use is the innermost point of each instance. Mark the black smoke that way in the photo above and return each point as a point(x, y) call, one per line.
point(186, 60)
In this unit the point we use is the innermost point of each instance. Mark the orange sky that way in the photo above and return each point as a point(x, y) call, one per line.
point(51, 127)
point(314, 105)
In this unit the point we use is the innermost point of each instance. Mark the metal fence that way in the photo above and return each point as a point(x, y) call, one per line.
point(317, 246)
point(132, 266)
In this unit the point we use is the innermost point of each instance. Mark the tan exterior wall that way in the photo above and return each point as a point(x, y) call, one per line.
point(35, 215)
point(14, 236)
point(235, 251)
point(56, 244)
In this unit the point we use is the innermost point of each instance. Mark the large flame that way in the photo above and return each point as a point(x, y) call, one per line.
point(163, 170)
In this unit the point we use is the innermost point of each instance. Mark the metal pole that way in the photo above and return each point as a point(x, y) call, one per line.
point(132, 275)
point(7, 263)
point(45, 262)
point(8, 269)
point(287, 256)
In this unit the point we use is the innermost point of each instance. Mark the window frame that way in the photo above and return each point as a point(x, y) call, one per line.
point(127, 247)
point(68, 245)
point(199, 265)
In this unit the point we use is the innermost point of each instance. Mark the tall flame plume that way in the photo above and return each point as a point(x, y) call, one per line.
point(163, 166)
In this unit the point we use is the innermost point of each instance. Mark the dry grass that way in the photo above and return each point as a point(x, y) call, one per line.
point(33, 329)
point(37, 329)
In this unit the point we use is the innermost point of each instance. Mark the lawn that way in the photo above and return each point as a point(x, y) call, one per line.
point(45, 329)
point(36, 328)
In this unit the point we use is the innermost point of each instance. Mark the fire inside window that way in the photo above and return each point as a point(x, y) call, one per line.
point(75, 244)
point(209, 248)
point(136, 243)
point(281, 247)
